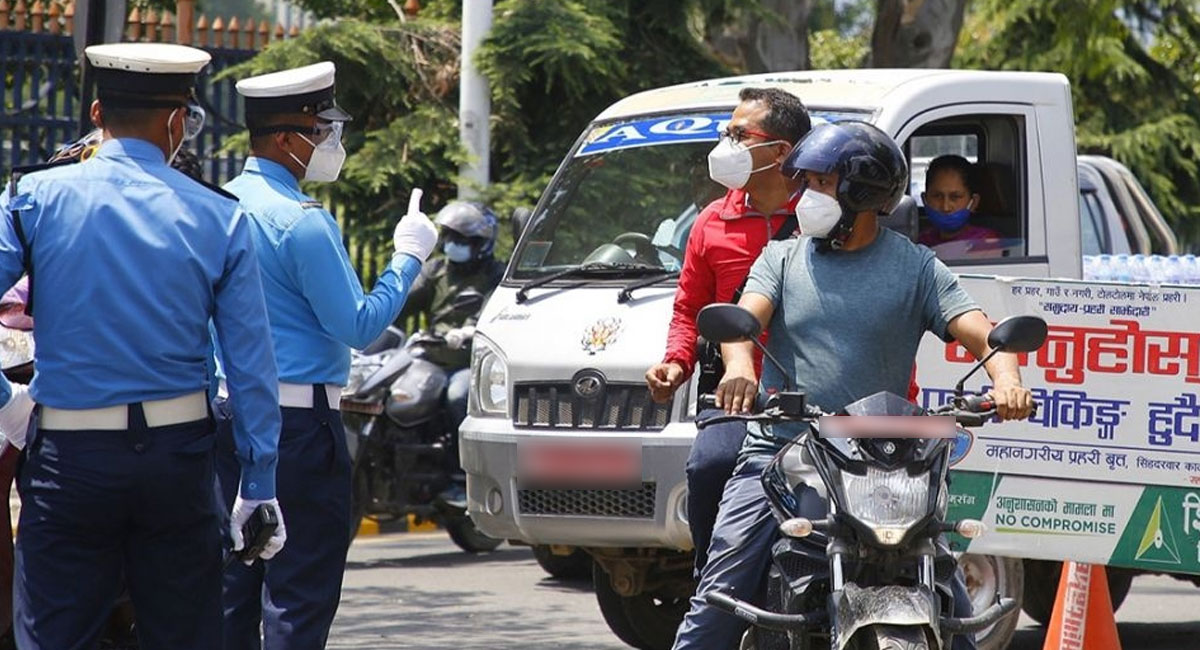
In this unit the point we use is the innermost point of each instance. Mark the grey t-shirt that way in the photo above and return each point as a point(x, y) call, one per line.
point(847, 323)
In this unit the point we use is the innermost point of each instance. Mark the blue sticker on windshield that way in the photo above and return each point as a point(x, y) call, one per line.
point(658, 130)
point(674, 129)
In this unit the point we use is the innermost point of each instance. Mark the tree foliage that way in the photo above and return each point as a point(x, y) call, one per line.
point(1136, 103)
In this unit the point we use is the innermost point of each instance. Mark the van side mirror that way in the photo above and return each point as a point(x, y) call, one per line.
point(725, 323)
point(468, 300)
point(520, 219)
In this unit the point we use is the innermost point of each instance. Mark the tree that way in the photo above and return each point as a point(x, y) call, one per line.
point(915, 33)
point(1137, 104)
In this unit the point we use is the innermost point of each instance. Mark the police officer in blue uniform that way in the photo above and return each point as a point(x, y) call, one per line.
point(129, 261)
point(317, 311)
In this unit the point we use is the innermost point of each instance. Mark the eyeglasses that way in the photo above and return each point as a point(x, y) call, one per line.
point(322, 131)
point(740, 133)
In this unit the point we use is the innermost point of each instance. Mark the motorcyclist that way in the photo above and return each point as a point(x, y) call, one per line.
point(846, 305)
point(468, 242)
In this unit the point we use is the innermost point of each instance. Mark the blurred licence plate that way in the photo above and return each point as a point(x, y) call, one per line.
point(583, 464)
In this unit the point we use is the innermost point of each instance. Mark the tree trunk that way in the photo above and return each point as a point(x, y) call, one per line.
point(773, 42)
point(915, 33)
point(779, 42)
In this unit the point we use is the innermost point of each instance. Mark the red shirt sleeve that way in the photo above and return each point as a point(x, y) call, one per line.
point(914, 390)
point(697, 288)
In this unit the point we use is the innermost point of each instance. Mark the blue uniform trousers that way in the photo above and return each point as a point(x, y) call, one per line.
point(99, 505)
point(713, 456)
point(295, 594)
point(740, 555)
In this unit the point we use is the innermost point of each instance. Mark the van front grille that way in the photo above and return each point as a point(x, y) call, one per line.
point(619, 407)
point(636, 503)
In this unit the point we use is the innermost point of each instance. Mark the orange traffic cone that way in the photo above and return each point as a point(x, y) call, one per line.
point(1083, 613)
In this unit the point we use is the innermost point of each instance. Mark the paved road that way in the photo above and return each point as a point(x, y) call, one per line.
point(420, 591)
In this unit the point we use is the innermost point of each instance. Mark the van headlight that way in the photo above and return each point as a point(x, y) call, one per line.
point(489, 380)
point(888, 503)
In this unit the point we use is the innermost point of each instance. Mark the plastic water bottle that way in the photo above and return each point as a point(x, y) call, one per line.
point(1091, 267)
point(1138, 272)
point(1155, 267)
point(1121, 271)
point(1172, 270)
point(1190, 268)
point(1104, 267)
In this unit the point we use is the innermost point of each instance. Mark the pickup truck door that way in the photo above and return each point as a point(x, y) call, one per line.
point(1008, 134)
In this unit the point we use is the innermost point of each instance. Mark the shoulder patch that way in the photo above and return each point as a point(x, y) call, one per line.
point(311, 204)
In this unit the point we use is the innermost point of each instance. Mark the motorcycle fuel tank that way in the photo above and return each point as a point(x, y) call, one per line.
point(416, 395)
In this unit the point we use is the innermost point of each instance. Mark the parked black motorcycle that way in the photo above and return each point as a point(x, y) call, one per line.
point(400, 436)
point(872, 574)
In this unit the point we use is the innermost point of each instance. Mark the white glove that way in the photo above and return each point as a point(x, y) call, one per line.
point(242, 509)
point(460, 337)
point(14, 416)
point(415, 234)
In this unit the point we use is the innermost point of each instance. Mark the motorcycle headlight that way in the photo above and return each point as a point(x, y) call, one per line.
point(361, 369)
point(888, 503)
point(489, 381)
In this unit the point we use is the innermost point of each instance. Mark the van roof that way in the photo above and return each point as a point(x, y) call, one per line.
point(826, 89)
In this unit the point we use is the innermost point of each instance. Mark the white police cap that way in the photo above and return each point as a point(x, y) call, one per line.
point(146, 68)
point(307, 89)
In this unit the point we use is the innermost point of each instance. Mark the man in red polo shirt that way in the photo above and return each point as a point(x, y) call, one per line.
point(727, 237)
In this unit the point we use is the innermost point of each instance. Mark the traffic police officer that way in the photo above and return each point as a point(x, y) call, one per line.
point(129, 261)
point(318, 311)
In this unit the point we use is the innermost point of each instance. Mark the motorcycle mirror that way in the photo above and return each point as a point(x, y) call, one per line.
point(725, 323)
point(468, 300)
point(1018, 334)
point(1013, 334)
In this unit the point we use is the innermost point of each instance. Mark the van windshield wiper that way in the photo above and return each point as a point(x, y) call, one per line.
point(583, 269)
point(627, 293)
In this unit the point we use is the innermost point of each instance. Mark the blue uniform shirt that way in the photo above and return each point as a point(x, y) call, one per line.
point(132, 259)
point(317, 307)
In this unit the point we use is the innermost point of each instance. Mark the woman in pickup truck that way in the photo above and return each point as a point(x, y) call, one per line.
point(950, 199)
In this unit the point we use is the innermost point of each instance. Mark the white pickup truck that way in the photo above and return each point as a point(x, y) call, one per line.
point(563, 446)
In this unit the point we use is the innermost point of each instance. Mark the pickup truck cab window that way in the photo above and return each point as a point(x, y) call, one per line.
point(993, 145)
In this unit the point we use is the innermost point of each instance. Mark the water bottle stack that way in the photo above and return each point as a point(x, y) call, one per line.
point(1149, 269)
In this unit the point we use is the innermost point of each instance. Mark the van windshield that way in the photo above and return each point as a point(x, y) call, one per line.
point(628, 195)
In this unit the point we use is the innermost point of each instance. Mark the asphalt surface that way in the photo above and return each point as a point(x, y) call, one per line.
point(420, 591)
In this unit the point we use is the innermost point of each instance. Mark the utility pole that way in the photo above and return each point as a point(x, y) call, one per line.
point(474, 100)
point(96, 22)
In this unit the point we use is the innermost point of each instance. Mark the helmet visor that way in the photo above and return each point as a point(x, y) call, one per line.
point(819, 151)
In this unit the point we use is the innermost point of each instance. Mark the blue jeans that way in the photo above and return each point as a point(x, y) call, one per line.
point(456, 395)
point(740, 555)
point(710, 464)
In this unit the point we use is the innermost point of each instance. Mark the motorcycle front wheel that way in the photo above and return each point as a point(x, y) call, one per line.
point(466, 536)
point(892, 637)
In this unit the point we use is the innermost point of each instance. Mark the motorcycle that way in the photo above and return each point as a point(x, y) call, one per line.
point(401, 438)
point(872, 574)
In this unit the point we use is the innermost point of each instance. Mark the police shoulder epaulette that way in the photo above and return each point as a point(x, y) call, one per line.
point(215, 188)
point(311, 204)
point(25, 170)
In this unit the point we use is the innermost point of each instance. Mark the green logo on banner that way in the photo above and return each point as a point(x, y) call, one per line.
point(1158, 540)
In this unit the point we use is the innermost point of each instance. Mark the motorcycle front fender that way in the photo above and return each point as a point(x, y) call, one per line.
point(855, 608)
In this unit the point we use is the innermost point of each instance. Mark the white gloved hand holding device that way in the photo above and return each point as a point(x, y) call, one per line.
point(14, 416)
point(415, 234)
point(243, 509)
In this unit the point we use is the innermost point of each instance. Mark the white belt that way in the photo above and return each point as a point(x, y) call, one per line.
point(298, 396)
point(159, 413)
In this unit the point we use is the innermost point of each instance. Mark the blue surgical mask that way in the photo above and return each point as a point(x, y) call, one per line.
point(948, 222)
point(456, 252)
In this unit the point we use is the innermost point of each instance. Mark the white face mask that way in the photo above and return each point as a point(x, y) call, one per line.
point(327, 158)
point(817, 213)
point(193, 123)
point(731, 164)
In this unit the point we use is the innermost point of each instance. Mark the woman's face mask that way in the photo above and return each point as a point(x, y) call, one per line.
point(948, 221)
point(327, 158)
point(730, 163)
